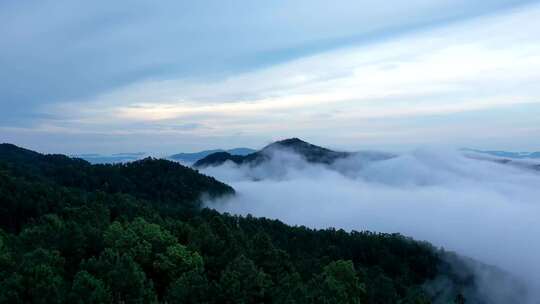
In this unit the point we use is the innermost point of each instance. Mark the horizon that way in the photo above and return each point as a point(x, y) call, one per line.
point(255, 149)
point(175, 77)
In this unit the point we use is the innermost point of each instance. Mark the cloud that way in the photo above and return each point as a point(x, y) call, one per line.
point(53, 51)
point(480, 209)
point(462, 80)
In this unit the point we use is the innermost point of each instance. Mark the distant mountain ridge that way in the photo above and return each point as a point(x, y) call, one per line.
point(187, 158)
point(96, 158)
point(311, 153)
point(523, 163)
point(195, 156)
point(507, 154)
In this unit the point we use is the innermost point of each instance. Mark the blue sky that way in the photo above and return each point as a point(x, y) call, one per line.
point(169, 76)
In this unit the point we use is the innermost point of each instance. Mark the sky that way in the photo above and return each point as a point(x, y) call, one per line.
point(172, 76)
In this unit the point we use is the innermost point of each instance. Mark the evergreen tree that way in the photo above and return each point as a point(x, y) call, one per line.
point(88, 289)
point(243, 283)
point(338, 283)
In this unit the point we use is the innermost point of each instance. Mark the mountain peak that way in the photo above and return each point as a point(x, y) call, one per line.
point(291, 141)
point(310, 152)
point(297, 145)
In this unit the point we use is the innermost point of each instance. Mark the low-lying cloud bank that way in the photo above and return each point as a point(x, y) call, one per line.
point(484, 210)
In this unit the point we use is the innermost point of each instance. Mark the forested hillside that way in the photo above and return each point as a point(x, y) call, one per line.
point(72, 232)
point(166, 183)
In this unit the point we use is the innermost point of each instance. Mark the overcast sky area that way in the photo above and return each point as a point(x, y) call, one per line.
point(172, 76)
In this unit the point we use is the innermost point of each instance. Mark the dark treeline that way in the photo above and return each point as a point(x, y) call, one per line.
point(71, 232)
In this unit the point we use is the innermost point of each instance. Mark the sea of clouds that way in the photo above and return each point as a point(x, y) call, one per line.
point(481, 209)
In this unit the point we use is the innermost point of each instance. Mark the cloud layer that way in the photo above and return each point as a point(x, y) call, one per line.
point(480, 209)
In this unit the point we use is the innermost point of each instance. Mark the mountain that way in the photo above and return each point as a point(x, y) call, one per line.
point(95, 158)
point(150, 179)
point(522, 160)
point(195, 156)
point(507, 154)
point(73, 232)
point(240, 151)
point(311, 153)
point(186, 158)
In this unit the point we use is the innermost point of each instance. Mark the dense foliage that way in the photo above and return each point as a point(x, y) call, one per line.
point(71, 232)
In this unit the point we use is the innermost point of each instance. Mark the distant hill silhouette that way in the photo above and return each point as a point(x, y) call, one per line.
point(528, 163)
point(507, 154)
point(95, 158)
point(311, 153)
point(195, 156)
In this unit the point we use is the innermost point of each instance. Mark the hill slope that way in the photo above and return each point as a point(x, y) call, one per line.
point(150, 179)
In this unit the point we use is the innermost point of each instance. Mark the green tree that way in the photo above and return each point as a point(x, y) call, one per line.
point(242, 282)
point(41, 272)
point(11, 288)
point(10, 282)
point(289, 289)
point(273, 261)
point(139, 239)
point(381, 289)
point(416, 296)
point(176, 260)
point(190, 288)
point(123, 276)
point(88, 289)
point(338, 284)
